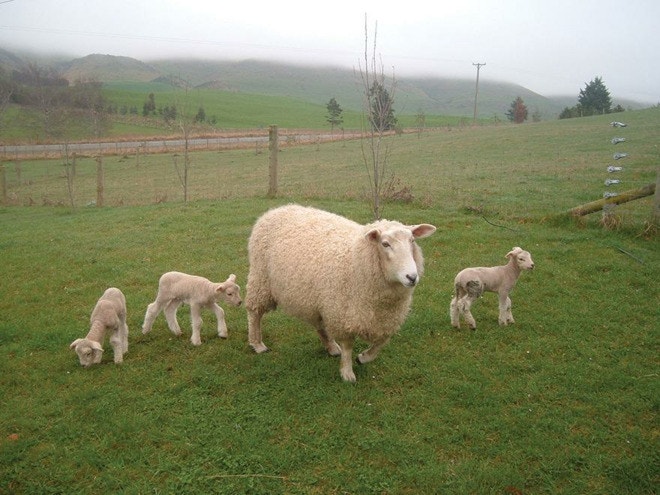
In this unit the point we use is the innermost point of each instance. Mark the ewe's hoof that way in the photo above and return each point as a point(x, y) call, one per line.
point(259, 348)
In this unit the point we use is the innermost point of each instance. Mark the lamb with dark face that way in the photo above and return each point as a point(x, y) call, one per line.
point(108, 317)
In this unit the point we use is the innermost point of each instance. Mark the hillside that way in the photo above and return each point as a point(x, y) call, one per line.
point(316, 85)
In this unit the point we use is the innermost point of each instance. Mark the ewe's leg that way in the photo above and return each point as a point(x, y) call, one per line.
point(454, 313)
point(506, 316)
point(371, 353)
point(329, 343)
point(346, 363)
point(152, 312)
point(170, 316)
point(254, 331)
point(222, 324)
point(196, 317)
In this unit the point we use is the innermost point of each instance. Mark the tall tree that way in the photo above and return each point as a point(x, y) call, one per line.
point(334, 117)
point(517, 113)
point(595, 98)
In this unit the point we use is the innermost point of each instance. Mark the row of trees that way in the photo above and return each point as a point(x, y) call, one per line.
point(57, 106)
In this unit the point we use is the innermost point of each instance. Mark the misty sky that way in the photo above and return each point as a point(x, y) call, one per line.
point(553, 47)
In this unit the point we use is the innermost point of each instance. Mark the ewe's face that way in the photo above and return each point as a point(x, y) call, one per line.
point(396, 248)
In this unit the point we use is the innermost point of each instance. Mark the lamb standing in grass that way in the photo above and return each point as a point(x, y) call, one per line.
point(347, 280)
point(109, 315)
point(471, 283)
point(176, 288)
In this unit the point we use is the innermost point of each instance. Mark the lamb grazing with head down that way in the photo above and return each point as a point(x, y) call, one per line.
point(347, 280)
point(176, 288)
point(109, 315)
point(471, 283)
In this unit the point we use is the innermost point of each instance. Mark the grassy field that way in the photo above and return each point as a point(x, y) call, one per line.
point(564, 401)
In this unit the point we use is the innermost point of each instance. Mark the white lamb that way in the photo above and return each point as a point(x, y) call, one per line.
point(176, 288)
point(109, 315)
point(471, 283)
point(347, 280)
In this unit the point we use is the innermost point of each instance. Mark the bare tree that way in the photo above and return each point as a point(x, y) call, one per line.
point(184, 122)
point(377, 107)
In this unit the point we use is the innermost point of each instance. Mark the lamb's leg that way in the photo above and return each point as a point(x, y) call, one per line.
point(464, 305)
point(117, 345)
point(329, 343)
point(373, 350)
point(153, 310)
point(346, 363)
point(254, 331)
point(505, 316)
point(222, 324)
point(170, 316)
point(454, 313)
point(196, 317)
point(123, 333)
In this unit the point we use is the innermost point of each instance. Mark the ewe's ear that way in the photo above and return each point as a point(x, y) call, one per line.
point(422, 230)
point(373, 235)
point(96, 346)
point(74, 343)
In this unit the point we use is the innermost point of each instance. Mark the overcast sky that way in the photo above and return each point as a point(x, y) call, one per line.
point(553, 47)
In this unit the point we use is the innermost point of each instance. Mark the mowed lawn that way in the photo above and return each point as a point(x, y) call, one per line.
point(564, 401)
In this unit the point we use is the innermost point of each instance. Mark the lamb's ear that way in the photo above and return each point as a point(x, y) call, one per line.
point(232, 278)
point(373, 235)
point(513, 252)
point(422, 230)
point(74, 343)
point(96, 346)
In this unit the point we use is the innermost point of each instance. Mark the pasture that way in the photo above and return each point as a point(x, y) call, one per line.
point(564, 401)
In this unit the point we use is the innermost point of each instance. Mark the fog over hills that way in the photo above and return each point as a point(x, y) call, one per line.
point(317, 84)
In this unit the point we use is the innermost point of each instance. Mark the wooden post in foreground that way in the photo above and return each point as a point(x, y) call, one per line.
point(624, 197)
point(656, 200)
point(272, 148)
point(99, 181)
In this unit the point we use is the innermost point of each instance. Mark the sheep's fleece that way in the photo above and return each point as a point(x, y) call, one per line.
point(347, 280)
point(108, 316)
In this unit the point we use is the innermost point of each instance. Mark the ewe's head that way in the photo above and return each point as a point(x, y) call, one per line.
point(401, 259)
point(89, 351)
point(522, 258)
point(229, 291)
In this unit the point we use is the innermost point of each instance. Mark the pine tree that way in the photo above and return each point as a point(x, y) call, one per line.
point(334, 117)
point(518, 111)
point(595, 98)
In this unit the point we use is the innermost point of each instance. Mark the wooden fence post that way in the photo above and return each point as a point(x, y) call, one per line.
point(99, 181)
point(273, 148)
point(3, 184)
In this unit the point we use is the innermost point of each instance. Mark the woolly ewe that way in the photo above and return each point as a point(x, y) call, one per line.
point(347, 280)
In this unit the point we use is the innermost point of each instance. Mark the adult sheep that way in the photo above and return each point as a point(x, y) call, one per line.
point(347, 280)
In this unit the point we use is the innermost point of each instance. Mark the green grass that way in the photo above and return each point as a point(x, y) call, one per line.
point(564, 401)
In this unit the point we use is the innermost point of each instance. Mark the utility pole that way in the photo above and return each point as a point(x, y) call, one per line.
point(476, 91)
